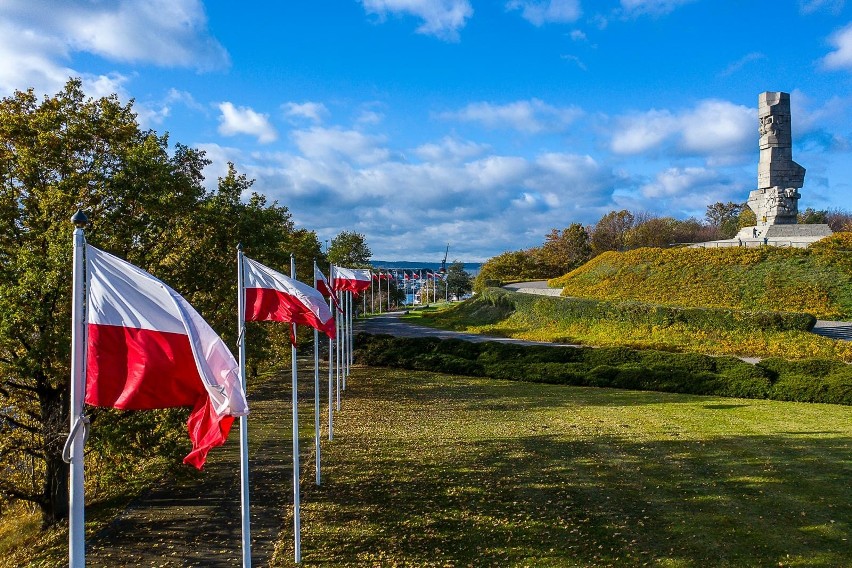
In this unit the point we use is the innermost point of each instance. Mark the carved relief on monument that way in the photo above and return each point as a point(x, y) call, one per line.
point(776, 201)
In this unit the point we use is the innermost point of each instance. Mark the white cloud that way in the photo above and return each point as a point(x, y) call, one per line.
point(712, 128)
point(530, 116)
point(841, 57)
point(640, 133)
point(370, 117)
point(540, 12)
point(480, 202)
point(831, 6)
point(578, 35)
point(38, 38)
point(243, 120)
point(314, 112)
point(441, 18)
point(450, 150)
point(742, 62)
point(689, 189)
point(329, 144)
point(634, 8)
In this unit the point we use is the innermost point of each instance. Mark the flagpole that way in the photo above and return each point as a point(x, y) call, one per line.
point(348, 296)
point(316, 390)
point(244, 462)
point(338, 322)
point(297, 529)
point(76, 495)
point(331, 343)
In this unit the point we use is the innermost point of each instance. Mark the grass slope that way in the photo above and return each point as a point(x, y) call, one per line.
point(540, 318)
point(816, 280)
point(438, 470)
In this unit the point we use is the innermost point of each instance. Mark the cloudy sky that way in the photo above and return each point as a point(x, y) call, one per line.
point(482, 124)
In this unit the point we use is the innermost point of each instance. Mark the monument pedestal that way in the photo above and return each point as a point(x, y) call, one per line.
point(806, 233)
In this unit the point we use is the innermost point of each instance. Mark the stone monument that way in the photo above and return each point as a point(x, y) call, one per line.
point(775, 202)
point(776, 199)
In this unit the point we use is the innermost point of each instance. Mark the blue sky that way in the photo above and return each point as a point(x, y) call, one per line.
point(482, 124)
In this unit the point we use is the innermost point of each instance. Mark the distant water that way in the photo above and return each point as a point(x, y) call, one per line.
point(471, 267)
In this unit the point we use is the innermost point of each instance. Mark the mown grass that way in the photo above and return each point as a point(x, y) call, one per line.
point(525, 317)
point(438, 470)
point(816, 280)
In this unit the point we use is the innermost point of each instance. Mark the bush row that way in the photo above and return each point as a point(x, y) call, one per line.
point(813, 380)
point(566, 309)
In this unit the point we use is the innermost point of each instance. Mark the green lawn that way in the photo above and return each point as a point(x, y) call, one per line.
point(437, 470)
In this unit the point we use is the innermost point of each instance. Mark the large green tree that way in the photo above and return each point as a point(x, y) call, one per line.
point(146, 203)
point(458, 281)
point(610, 232)
point(565, 250)
point(349, 249)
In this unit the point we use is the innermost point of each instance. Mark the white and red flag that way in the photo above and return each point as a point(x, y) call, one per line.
point(350, 280)
point(148, 348)
point(324, 287)
point(271, 296)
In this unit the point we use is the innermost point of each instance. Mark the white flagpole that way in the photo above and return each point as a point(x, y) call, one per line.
point(372, 295)
point(345, 346)
point(348, 296)
point(244, 462)
point(76, 495)
point(297, 523)
point(331, 343)
point(316, 390)
point(339, 346)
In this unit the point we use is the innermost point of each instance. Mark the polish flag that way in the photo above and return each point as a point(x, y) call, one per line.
point(271, 296)
point(148, 348)
point(324, 288)
point(350, 280)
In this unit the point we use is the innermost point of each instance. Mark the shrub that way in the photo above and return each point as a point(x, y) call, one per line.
point(450, 364)
point(811, 380)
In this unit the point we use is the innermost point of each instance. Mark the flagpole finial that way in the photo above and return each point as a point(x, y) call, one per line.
point(79, 219)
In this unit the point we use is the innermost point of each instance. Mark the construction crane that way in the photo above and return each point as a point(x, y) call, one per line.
point(444, 262)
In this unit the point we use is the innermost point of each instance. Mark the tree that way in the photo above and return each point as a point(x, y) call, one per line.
point(349, 249)
point(652, 232)
point(747, 218)
point(63, 153)
point(458, 281)
point(565, 250)
point(146, 204)
point(610, 233)
point(725, 217)
point(811, 216)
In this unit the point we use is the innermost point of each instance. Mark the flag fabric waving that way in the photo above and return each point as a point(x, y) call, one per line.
point(148, 348)
point(271, 296)
point(324, 288)
point(350, 280)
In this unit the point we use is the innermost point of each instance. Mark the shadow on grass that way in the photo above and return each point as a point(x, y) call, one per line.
point(194, 519)
point(498, 495)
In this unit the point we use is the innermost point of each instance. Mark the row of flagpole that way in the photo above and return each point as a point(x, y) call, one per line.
point(109, 293)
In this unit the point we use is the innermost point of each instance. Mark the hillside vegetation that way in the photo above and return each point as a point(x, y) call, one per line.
point(641, 325)
point(816, 280)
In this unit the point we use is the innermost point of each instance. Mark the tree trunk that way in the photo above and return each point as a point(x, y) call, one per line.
point(54, 408)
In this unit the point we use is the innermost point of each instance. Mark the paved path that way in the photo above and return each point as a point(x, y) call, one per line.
point(538, 287)
point(834, 329)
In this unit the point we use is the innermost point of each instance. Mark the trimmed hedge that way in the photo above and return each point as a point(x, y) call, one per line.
point(550, 308)
point(811, 380)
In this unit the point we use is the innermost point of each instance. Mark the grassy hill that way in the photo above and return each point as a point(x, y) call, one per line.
point(816, 280)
